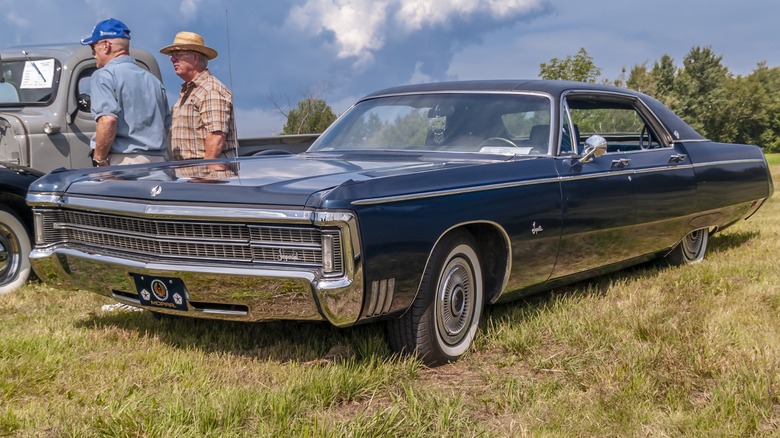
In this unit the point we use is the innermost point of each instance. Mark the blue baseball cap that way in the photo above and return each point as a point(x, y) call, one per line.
point(106, 29)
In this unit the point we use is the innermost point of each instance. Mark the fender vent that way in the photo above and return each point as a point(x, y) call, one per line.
point(381, 298)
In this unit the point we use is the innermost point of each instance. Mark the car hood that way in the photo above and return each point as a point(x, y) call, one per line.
point(274, 180)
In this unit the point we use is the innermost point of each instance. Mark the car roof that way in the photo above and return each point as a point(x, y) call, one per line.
point(555, 88)
point(545, 86)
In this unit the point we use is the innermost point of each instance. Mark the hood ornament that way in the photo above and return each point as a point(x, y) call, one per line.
point(156, 190)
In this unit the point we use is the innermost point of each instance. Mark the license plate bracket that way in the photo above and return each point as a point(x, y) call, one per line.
point(162, 292)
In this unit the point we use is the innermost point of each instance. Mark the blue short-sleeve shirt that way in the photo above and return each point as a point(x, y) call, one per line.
point(138, 101)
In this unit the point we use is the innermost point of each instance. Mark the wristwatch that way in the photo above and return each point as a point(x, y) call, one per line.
point(99, 163)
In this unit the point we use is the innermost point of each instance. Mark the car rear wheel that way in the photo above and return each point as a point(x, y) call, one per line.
point(15, 246)
point(442, 322)
point(691, 248)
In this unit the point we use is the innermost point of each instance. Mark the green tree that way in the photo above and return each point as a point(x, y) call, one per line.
point(700, 89)
point(312, 116)
point(663, 74)
point(640, 79)
point(579, 67)
point(767, 107)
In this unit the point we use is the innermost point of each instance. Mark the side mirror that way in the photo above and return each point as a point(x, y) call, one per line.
point(595, 146)
point(84, 102)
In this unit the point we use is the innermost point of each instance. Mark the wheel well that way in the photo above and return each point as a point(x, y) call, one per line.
point(19, 207)
point(493, 251)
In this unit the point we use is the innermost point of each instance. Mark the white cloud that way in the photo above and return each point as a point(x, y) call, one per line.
point(418, 77)
point(189, 9)
point(17, 21)
point(414, 15)
point(361, 27)
point(357, 25)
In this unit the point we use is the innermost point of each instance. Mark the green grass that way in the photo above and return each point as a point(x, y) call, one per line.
point(649, 351)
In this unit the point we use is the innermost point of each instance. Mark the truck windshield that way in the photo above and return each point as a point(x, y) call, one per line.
point(26, 82)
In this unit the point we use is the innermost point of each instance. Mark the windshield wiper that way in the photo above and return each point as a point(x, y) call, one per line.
point(27, 55)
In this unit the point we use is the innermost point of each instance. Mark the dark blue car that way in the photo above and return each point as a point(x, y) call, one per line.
point(16, 226)
point(418, 207)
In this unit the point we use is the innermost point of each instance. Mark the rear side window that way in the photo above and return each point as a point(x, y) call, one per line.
point(618, 121)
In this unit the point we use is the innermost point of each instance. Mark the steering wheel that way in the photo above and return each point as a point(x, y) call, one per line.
point(500, 139)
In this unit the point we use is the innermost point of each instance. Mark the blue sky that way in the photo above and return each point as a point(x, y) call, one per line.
point(274, 53)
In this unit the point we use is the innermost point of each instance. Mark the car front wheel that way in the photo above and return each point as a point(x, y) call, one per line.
point(442, 322)
point(691, 248)
point(15, 249)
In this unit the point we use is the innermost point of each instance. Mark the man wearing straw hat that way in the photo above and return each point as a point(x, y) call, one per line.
point(203, 123)
point(128, 103)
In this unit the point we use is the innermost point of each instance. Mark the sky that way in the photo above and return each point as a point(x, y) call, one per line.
point(274, 53)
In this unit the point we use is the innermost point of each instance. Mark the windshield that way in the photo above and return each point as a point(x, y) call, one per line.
point(28, 82)
point(513, 124)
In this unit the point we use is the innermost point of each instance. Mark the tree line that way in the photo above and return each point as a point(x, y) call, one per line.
point(720, 105)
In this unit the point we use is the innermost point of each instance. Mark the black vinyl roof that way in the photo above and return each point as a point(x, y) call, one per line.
point(675, 125)
point(551, 87)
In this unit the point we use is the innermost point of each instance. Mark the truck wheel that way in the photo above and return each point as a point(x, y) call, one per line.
point(15, 247)
point(442, 321)
point(691, 248)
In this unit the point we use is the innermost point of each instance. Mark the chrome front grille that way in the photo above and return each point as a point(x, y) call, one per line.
point(208, 242)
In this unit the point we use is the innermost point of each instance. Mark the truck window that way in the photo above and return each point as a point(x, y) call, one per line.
point(29, 82)
point(84, 83)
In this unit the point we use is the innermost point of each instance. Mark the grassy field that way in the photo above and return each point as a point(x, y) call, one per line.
point(651, 351)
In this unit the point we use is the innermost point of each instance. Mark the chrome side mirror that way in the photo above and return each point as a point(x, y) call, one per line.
point(595, 146)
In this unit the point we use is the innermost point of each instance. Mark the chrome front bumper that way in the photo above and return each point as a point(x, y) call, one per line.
point(212, 292)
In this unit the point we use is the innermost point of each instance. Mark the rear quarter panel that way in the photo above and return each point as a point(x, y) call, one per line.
point(728, 174)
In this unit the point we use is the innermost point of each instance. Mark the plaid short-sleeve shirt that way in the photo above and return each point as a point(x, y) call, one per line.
point(205, 105)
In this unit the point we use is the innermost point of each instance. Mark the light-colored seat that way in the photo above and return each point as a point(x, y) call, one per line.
point(8, 93)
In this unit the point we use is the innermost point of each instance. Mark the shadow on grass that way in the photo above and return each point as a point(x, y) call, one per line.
point(279, 341)
point(591, 287)
point(723, 242)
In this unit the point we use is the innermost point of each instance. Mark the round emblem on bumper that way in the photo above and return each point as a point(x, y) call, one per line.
point(159, 290)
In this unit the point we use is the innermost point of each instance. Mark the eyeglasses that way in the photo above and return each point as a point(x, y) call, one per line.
point(92, 46)
point(179, 54)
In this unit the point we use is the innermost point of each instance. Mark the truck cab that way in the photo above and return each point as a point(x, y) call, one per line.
point(45, 120)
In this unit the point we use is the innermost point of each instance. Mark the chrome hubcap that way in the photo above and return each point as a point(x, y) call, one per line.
point(455, 306)
point(692, 243)
point(9, 255)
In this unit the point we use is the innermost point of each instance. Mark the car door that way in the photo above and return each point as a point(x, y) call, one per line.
point(82, 127)
point(598, 211)
point(664, 186)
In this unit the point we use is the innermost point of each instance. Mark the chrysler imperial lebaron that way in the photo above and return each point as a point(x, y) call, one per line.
point(419, 206)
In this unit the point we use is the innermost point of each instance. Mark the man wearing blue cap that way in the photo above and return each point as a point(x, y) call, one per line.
point(129, 104)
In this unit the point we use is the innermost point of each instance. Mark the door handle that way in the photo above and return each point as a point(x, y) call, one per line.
point(677, 158)
point(620, 163)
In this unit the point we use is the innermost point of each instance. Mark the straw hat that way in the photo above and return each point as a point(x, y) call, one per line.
point(189, 41)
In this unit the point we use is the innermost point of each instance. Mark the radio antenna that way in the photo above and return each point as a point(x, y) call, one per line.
point(227, 31)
